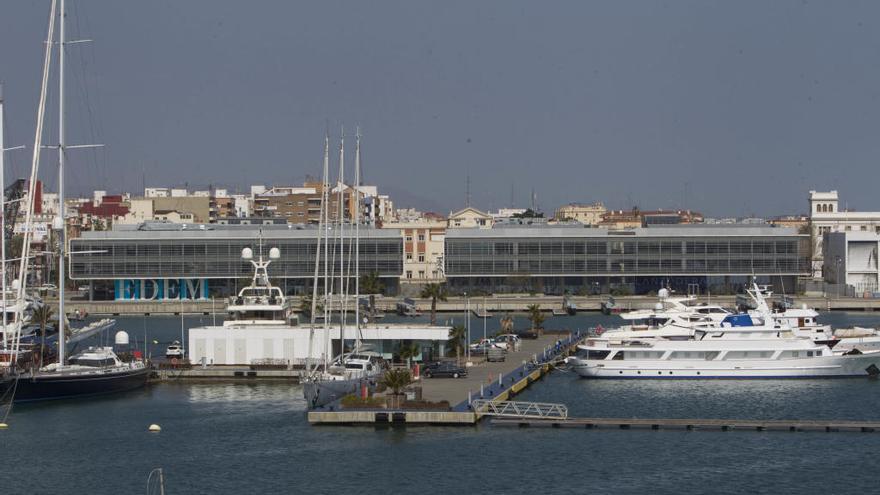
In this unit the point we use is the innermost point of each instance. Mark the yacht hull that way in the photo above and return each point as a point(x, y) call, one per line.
point(818, 367)
point(54, 386)
point(323, 392)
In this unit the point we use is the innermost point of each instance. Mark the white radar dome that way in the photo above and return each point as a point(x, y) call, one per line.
point(57, 223)
point(247, 254)
point(663, 293)
point(658, 307)
point(274, 253)
point(121, 338)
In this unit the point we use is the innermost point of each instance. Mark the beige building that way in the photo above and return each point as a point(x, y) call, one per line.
point(586, 214)
point(198, 206)
point(423, 248)
point(470, 218)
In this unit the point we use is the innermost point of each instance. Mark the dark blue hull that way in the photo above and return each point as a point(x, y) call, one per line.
point(52, 386)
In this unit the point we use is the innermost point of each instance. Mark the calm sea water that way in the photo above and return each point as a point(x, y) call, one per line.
point(253, 438)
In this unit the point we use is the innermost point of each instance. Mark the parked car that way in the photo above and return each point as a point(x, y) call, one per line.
point(510, 341)
point(486, 343)
point(527, 334)
point(445, 369)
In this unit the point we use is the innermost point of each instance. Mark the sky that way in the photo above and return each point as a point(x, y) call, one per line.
point(728, 108)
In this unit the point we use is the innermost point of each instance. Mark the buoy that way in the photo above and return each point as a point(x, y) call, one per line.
point(155, 428)
point(3, 426)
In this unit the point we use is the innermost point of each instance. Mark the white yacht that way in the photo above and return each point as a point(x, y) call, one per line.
point(720, 352)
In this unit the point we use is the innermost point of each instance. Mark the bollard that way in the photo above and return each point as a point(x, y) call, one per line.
point(481, 390)
point(469, 397)
point(499, 379)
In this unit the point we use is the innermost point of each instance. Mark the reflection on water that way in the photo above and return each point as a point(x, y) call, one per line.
point(230, 393)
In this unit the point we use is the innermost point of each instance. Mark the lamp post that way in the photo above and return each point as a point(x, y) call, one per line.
point(838, 263)
point(467, 316)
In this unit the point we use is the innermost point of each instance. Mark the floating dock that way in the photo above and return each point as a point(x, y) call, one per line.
point(486, 382)
point(695, 424)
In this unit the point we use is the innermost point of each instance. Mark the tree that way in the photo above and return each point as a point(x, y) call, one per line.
point(42, 315)
point(529, 213)
point(535, 316)
point(408, 352)
point(457, 338)
point(370, 284)
point(397, 380)
point(434, 292)
point(305, 306)
point(506, 324)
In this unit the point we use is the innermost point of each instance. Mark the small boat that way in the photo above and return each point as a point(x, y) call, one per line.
point(174, 350)
point(610, 307)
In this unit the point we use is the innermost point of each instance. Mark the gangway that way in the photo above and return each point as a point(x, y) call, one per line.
point(522, 410)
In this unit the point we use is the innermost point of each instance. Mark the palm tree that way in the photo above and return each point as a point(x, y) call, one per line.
point(43, 315)
point(397, 380)
point(457, 337)
point(370, 284)
point(535, 316)
point(435, 292)
point(506, 324)
point(408, 352)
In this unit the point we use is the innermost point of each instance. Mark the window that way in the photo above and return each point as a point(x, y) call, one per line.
point(421, 258)
point(409, 274)
point(421, 273)
point(421, 237)
point(408, 256)
point(409, 238)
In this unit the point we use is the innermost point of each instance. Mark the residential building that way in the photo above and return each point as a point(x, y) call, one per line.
point(587, 214)
point(470, 218)
point(423, 248)
point(826, 216)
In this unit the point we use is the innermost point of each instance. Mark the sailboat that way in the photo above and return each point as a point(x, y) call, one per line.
point(348, 372)
point(96, 370)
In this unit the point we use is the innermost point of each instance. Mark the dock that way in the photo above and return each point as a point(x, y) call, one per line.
point(486, 382)
point(226, 373)
point(792, 425)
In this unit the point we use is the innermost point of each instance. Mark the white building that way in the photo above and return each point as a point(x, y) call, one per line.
point(50, 203)
point(157, 192)
point(470, 218)
point(242, 345)
point(826, 217)
point(851, 259)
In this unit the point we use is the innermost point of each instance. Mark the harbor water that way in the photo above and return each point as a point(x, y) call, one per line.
point(253, 438)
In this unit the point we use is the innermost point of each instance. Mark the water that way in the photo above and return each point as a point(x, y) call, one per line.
point(253, 438)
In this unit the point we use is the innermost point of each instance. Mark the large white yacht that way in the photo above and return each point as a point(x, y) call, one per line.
point(726, 351)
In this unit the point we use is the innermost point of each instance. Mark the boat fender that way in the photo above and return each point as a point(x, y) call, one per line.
point(154, 428)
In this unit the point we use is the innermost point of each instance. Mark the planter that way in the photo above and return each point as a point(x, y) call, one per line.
point(394, 401)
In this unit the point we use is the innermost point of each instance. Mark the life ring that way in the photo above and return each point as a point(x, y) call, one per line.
point(174, 361)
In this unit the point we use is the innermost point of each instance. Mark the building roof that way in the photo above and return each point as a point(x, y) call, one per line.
point(167, 230)
point(574, 231)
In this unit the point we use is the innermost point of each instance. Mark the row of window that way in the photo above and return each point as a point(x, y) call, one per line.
point(456, 247)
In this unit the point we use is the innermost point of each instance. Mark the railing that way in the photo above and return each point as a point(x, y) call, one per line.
point(525, 410)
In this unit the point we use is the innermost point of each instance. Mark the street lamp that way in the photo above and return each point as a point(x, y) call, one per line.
point(838, 263)
point(467, 315)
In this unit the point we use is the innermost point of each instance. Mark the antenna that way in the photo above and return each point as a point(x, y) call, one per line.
point(467, 191)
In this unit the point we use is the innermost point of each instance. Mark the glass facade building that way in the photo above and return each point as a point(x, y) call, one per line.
point(215, 255)
point(557, 259)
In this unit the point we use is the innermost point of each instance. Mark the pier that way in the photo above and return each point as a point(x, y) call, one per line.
point(487, 383)
point(792, 425)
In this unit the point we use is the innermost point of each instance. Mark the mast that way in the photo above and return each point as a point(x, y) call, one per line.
point(341, 242)
point(61, 144)
point(3, 214)
point(314, 308)
point(32, 185)
point(325, 216)
point(357, 237)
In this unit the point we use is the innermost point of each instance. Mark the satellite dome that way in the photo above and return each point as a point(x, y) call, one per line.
point(247, 254)
point(663, 293)
point(658, 307)
point(121, 338)
point(274, 253)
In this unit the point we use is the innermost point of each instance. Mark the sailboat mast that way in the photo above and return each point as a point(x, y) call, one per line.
point(32, 185)
point(61, 213)
point(3, 214)
point(314, 307)
point(325, 215)
point(341, 242)
point(357, 238)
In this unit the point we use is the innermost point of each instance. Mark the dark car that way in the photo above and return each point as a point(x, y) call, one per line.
point(444, 370)
point(526, 334)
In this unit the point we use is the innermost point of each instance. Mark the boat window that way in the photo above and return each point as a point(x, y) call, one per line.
point(809, 353)
point(597, 354)
point(618, 356)
point(353, 366)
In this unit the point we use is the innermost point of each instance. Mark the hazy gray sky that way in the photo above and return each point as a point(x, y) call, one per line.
point(727, 107)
